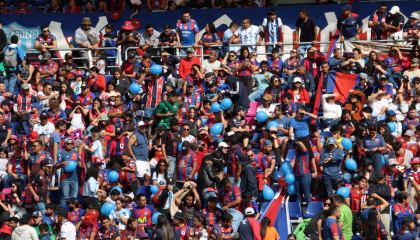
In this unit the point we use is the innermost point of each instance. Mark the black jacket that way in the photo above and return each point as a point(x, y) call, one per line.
point(249, 181)
point(353, 122)
point(171, 64)
point(206, 177)
point(238, 92)
point(383, 190)
point(356, 69)
point(397, 180)
point(122, 85)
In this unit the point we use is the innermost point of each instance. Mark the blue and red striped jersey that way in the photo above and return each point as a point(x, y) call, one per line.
point(18, 164)
point(76, 215)
point(332, 230)
point(212, 217)
point(143, 215)
point(102, 234)
point(184, 232)
point(116, 147)
point(233, 159)
point(302, 164)
point(155, 91)
point(112, 109)
point(85, 100)
point(85, 231)
point(185, 163)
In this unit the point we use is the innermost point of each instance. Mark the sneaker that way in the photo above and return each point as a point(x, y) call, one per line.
point(326, 129)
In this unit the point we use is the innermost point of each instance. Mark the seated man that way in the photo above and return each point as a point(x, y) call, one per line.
point(307, 80)
point(23, 8)
point(48, 69)
point(67, 67)
point(411, 28)
point(22, 103)
point(239, 125)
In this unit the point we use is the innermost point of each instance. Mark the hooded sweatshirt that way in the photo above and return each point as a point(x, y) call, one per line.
point(25, 232)
point(239, 93)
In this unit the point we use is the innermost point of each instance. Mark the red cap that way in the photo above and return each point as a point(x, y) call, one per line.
point(415, 160)
point(14, 137)
point(33, 136)
point(6, 229)
point(128, 26)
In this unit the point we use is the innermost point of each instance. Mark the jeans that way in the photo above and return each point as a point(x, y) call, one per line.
point(10, 81)
point(237, 218)
point(303, 187)
point(39, 207)
point(304, 48)
point(350, 176)
point(68, 190)
point(233, 181)
point(350, 38)
point(327, 123)
point(331, 183)
point(148, 111)
point(172, 162)
point(377, 162)
point(257, 94)
point(7, 180)
point(55, 180)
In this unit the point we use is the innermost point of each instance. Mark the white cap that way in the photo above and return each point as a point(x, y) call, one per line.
point(415, 15)
point(142, 123)
point(230, 133)
point(223, 145)
point(394, 10)
point(296, 79)
point(249, 211)
point(129, 194)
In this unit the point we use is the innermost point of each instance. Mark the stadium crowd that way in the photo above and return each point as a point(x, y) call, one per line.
point(169, 148)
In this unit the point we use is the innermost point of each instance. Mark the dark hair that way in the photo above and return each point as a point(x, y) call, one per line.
point(357, 50)
point(120, 199)
point(92, 172)
point(333, 209)
point(227, 217)
point(382, 4)
point(115, 192)
point(44, 227)
point(313, 127)
point(304, 11)
point(376, 61)
point(339, 198)
point(173, 93)
point(69, 92)
point(60, 123)
point(372, 225)
point(101, 107)
point(202, 220)
point(243, 49)
point(167, 229)
point(14, 39)
point(324, 62)
point(94, 69)
point(389, 139)
point(213, 30)
point(234, 140)
point(212, 199)
point(225, 181)
point(113, 83)
point(367, 109)
point(280, 92)
point(166, 26)
point(372, 128)
point(288, 95)
point(307, 145)
point(43, 27)
point(186, 11)
point(263, 227)
point(104, 217)
point(234, 24)
point(291, 236)
point(401, 231)
point(263, 63)
point(396, 146)
point(360, 178)
point(130, 220)
point(346, 111)
point(335, 127)
point(402, 196)
point(271, 12)
point(165, 172)
point(415, 47)
point(104, 57)
point(19, 189)
point(371, 201)
point(149, 26)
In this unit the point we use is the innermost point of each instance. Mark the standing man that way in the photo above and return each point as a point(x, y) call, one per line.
point(249, 228)
point(331, 227)
point(272, 31)
point(346, 219)
point(232, 202)
point(24, 231)
point(138, 146)
point(233, 27)
point(186, 32)
point(377, 21)
point(168, 38)
point(68, 180)
point(170, 142)
point(347, 24)
point(155, 88)
point(39, 186)
point(67, 229)
point(248, 34)
point(308, 31)
point(46, 41)
point(149, 41)
point(11, 66)
point(87, 37)
point(167, 110)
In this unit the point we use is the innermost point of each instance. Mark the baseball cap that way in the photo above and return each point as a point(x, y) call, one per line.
point(296, 79)
point(119, 130)
point(267, 142)
point(249, 211)
point(211, 83)
point(84, 85)
point(33, 136)
point(103, 118)
point(223, 145)
point(238, 109)
point(392, 162)
point(143, 123)
point(43, 115)
point(346, 7)
point(68, 56)
point(415, 160)
point(37, 214)
point(132, 55)
point(390, 113)
point(267, 97)
point(415, 60)
point(217, 155)
point(35, 105)
point(194, 146)
point(247, 196)
point(272, 128)
point(179, 215)
point(190, 49)
point(45, 163)
point(170, 181)
point(383, 76)
point(62, 212)
point(173, 121)
point(162, 128)
point(128, 112)
point(415, 15)
point(129, 194)
point(126, 152)
point(25, 86)
point(144, 235)
point(409, 133)
point(46, 56)
point(6, 229)
point(407, 220)
point(26, 218)
point(190, 84)
point(185, 146)
point(68, 140)
point(331, 140)
point(394, 10)
point(379, 175)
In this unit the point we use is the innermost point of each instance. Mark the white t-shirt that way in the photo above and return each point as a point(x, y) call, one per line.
point(160, 179)
point(68, 231)
point(47, 129)
point(103, 63)
point(208, 66)
point(124, 214)
point(249, 36)
point(377, 105)
point(98, 149)
point(269, 111)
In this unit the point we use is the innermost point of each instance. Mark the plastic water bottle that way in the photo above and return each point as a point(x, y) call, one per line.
point(293, 136)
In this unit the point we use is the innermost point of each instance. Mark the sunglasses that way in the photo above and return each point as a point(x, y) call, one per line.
point(413, 51)
point(276, 81)
point(162, 165)
point(274, 132)
point(186, 129)
point(253, 55)
point(35, 146)
point(251, 155)
point(298, 83)
point(69, 143)
point(293, 52)
point(231, 55)
point(327, 204)
point(46, 31)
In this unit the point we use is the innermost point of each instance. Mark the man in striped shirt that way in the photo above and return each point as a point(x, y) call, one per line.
point(248, 34)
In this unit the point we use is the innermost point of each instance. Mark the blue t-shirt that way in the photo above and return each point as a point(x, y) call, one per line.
point(98, 149)
point(37, 158)
point(300, 128)
point(332, 169)
point(331, 230)
point(283, 123)
point(370, 143)
point(187, 31)
point(65, 156)
point(47, 219)
point(124, 213)
point(55, 138)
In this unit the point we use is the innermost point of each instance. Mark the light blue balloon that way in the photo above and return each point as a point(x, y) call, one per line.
point(154, 217)
point(225, 170)
point(107, 208)
point(351, 164)
point(383, 161)
point(291, 189)
point(272, 124)
point(154, 189)
point(216, 129)
point(156, 69)
point(392, 126)
point(180, 147)
point(218, 206)
point(268, 193)
point(346, 143)
point(286, 168)
point(215, 107)
point(135, 88)
point(261, 116)
point(70, 168)
point(344, 191)
point(226, 104)
point(113, 176)
point(118, 188)
point(290, 179)
point(203, 123)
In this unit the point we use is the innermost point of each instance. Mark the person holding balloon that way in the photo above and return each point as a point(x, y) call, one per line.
point(331, 159)
point(119, 215)
point(301, 170)
point(68, 159)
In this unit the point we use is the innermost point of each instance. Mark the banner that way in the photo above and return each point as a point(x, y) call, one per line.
point(64, 25)
point(382, 49)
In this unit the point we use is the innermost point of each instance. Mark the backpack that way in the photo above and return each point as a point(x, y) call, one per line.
point(10, 58)
point(299, 231)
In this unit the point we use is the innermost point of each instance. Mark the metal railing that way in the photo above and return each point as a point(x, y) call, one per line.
point(83, 58)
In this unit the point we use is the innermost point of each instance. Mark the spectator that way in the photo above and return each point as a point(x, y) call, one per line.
point(46, 41)
point(346, 220)
point(331, 159)
point(358, 57)
point(231, 204)
point(245, 69)
point(89, 7)
point(23, 9)
point(49, 69)
point(306, 79)
point(272, 30)
point(331, 227)
point(186, 33)
point(402, 209)
point(395, 23)
point(308, 31)
point(380, 187)
point(378, 103)
point(227, 38)
point(311, 62)
point(39, 179)
point(314, 227)
point(67, 67)
point(13, 57)
point(414, 71)
point(185, 66)
point(332, 111)
point(299, 94)
point(411, 28)
point(168, 38)
point(229, 4)
point(408, 230)
point(149, 42)
point(373, 224)
point(377, 21)
point(73, 7)
point(3, 10)
point(55, 7)
point(210, 37)
point(348, 29)
point(249, 4)
point(263, 81)
point(248, 34)
point(249, 228)
point(24, 231)
point(336, 61)
point(291, 64)
point(86, 37)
